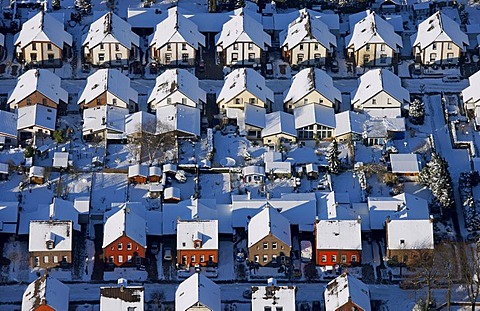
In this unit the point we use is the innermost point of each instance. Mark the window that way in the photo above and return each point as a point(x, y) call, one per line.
point(118, 57)
point(184, 46)
point(34, 46)
point(64, 258)
point(211, 258)
point(251, 57)
point(383, 58)
point(45, 259)
point(33, 57)
point(44, 102)
point(117, 47)
point(101, 46)
point(281, 247)
point(184, 102)
point(343, 258)
point(354, 258)
point(29, 101)
point(131, 308)
point(274, 258)
point(265, 258)
point(250, 46)
point(119, 246)
point(252, 101)
point(101, 57)
point(234, 57)
point(237, 101)
point(197, 244)
point(433, 57)
point(184, 260)
point(37, 261)
point(449, 45)
point(49, 46)
point(267, 308)
point(235, 46)
point(299, 58)
point(169, 102)
point(374, 101)
point(169, 47)
point(202, 258)
point(120, 258)
point(306, 132)
point(382, 47)
point(55, 259)
point(255, 258)
point(450, 57)
point(265, 245)
point(110, 259)
point(274, 245)
point(300, 47)
point(192, 258)
point(129, 258)
point(168, 58)
point(185, 57)
point(367, 47)
point(317, 57)
point(315, 47)
point(402, 241)
point(279, 308)
point(99, 102)
point(334, 258)
point(366, 59)
point(434, 46)
point(129, 245)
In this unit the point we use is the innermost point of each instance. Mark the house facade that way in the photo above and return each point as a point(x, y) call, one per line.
point(471, 99)
point(314, 122)
point(197, 243)
point(279, 129)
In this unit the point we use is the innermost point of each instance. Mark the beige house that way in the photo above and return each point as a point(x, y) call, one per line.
point(314, 122)
point(307, 41)
point(279, 128)
point(439, 41)
point(244, 86)
point(110, 42)
point(242, 41)
point(312, 86)
point(373, 43)
point(176, 41)
point(43, 41)
point(471, 99)
point(36, 121)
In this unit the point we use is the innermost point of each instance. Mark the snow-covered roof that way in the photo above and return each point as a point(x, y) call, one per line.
point(139, 122)
point(439, 28)
point(255, 116)
point(43, 27)
point(376, 80)
point(277, 167)
point(349, 122)
point(125, 222)
point(3, 168)
point(171, 193)
point(122, 297)
point(373, 29)
point(242, 28)
point(8, 126)
point(345, 288)
point(205, 231)
point(108, 80)
point(60, 232)
point(172, 80)
point(8, 217)
point(281, 21)
point(314, 114)
point(253, 170)
point(41, 80)
point(154, 171)
point(471, 93)
point(379, 128)
point(244, 79)
point(339, 234)
point(273, 295)
point(405, 163)
point(267, 221)
point(60, 159)
point(197, 289)
point(395, 20)
point(104, 118)
point(309, 80)
point(410, 234)
point(110, 28)
point(152, 217)
point(36, 171)
point(181, 118)
point(46, 290)
point(36, 115)
point(279, 122)
point(2, 40)
point(137, 170)
point(307, 27)
point(177, 28)
point(82, 205)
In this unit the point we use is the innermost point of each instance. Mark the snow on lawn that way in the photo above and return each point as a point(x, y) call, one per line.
point(9, 188)
point(229, 149)
point(139, 193)
point(188, 152)
point(106, 189)
point(19, 267)
point(303, 154)
point(78, 185)
point(119, 156)
point(215, 186)
point(345, 182)
point(225, 261)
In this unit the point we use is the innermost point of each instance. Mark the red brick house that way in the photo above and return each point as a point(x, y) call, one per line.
point(124, 238)
point(338, 242)
point(197, 242)
point(347, 293)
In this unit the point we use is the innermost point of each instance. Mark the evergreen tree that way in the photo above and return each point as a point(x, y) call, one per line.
point(436, 176)
point(332, 157)
point(84, 6)
point(417, 112)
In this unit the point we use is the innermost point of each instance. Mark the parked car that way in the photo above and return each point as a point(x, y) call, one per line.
point(167, 254)
point(417, 69)
point(334, 66)
point(201, 65)
point(305, 306)
point(247, 294)
point(451, 78)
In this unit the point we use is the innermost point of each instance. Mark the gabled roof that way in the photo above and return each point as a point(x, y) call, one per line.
point(125, 222)
point(349, 122)
point(189, 231)
point(8, 126)
point(314, 114)
point(255, 116)
point(110, 28)
point(36, 115)
point(110, 80)
point(267, 221)
point(410, 234)
point(439, 27)
point(339, 234)
point(373, 29)
point(8, 217)
point(279, 122)
point(472, 92)
point(41, 80)
point(307, 27)
point(60, 159)
point(177, 28)
point(44, 28)
point(137, 170)
point(344, 288)
point(139, 122)
point(405, 163)
point(242, 28)
point(104, 118)
point(173, 80)
point(376, 80)
point(184, 119)
point(197, 289)
point(46, 290)
point(60, 232)
point(312, 79)
point(244, 79)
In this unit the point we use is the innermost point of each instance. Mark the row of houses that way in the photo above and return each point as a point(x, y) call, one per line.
point(309, 38)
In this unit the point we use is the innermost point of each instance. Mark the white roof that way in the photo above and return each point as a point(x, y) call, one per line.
point(267, 221)
point(110, 28)
point(242, 28)
point(255, 116)
point(177, 28)
point(376, 80)
point(8, 126)
point(339, 234)
point(110, 80)
point(184, 119)
point(314, 114)
point(410, 234)
point(43, 27)
point(307, 27)
point(349, 122)
point(253, 170)
point(8, 217)
point(60, 232)
point(140, 121)
point(472, 92)
point(309, 80)
point(125, 222)
point(60, 159)
point(242, 79)
point(36, 115)
point(2, 39)
point(104, 118)
point(137, 170)
point(3, 168)
point(405, 163)
point(281, 21)
point(373, 29)
point(48, 289)
point(153, 225)
point(173, 80)
point(36, 171)
point(345, 287)
point(277, 167)
point(171, 193)
point(279, 122)
point(283, 296)
point(439, 28)
point(82, 205)
point(41, 80)
point(197, 289)
point(205, 231)
point(154, 171)
point(122, 298)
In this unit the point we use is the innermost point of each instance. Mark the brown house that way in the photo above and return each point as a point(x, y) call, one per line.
point(269, 238)
point(197, 242)
point(154, 174)
point(138, 174)
point(36, 175)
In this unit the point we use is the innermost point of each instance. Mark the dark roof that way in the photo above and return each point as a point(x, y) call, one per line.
point(127, 294)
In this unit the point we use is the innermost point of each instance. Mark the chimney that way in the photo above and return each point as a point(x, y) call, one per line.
point(123, 283)
point(359, 219)
point(37, 73)
point(103, 121)
point(388, 219)
point(271, 282)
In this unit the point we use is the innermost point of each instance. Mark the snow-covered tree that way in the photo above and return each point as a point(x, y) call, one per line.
point(416, 112)
point(332, 157)
point(436, 176)
point(84, 6)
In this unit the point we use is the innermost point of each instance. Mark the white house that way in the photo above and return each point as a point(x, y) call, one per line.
point(182, 120)
point(122, 297)
point(197, 293)
point(273, 297)
point(104, 122)
point(439, 40)
point(314, 122)
point(471, 98)
point(346, 292)
point(36, 120)
point(279, 128)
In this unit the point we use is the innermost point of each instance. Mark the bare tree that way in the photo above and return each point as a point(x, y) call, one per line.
point(469, 261)
point(426, 271)
point(447, 266)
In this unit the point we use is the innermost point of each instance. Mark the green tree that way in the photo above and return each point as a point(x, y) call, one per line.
point(59, 136)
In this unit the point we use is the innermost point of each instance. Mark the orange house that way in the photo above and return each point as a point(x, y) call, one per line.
point(53, 297)
point(137, 174)
point(197, 242)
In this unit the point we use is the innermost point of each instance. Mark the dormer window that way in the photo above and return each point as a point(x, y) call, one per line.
point(197, 244)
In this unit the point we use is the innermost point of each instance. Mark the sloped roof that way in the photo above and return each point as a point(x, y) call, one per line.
point(8, 217)
point(45, 28)
point(339, 234)
point(48, 289)
point(405, 163)
point(373, 29)
point(410, 234)
point(137, 170)
point(242, 79)
point(41, 80)
point(189, 231)
point(104, 118)
point(60, 159)
point(177, 28)
point(36, 115)
point(472, 92)
point(110, 28)
point(279, 122)
point(197, 289)
point(122, 297)
point(349, 122)
point(312, 79)
point(314, 114)
point(8, 126)
point(127, 222)
point(140, 121)
point(267, 221)
point(180, 118)
point(60, 232)
point(307, 27)
point(345, 287)
point(255, 116)
point(439, 27)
